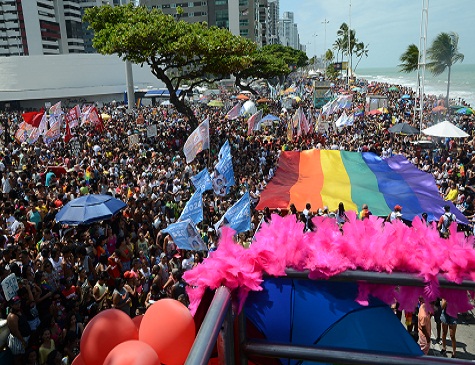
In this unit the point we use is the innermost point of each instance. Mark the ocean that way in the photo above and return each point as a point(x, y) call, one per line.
point(462, 80)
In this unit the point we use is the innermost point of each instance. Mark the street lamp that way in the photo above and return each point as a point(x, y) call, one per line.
point(315, 51)
point(325, 22)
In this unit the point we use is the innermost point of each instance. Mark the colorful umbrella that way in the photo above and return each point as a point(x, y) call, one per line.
point(242, 97)
point(393, 88)
point(465, 111)
point(217, 103)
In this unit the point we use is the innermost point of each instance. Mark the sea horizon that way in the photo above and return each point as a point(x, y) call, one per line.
point(462, 80)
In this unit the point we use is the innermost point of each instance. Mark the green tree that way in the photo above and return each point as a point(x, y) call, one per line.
point(266, 63)
point(177, 52)
point(350, 45)
point(409, 59)
point(443, 53)
point(360, 51)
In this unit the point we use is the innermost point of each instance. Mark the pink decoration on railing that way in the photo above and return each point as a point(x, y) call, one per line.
point(370, 245)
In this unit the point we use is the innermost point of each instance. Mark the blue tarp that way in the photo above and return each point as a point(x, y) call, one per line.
point(319, 313)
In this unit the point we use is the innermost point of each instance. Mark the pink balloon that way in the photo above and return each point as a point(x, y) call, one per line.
point(104, 332)
point(169, 329)
point(137, 321)
point(132, 352)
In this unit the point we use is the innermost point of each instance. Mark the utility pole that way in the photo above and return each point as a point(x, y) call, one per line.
point(348, 66)
point(421, 66)
point(315, 50)
point(325, 22)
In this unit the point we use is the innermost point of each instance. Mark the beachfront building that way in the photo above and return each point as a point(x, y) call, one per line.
point(88, 34)
point(40, 27)
point(241, 18)
point(288, 31)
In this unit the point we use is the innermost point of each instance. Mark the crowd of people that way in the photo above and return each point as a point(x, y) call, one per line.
point(67, 274)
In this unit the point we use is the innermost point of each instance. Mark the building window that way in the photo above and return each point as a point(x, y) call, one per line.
point(221, 2)
point(244, 32)
point(243, 2)
point(244, 22)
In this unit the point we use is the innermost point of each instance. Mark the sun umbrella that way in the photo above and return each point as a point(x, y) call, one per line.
point(217, 103)
point(105, 116)
point(456, 107)
point(403, 128)
point(439, 109)
point(88, 209)
point(319, 313)
point(264, 100)
point(406, 96)
point(445, 129)
point(393, 88)
point(465, 111)
point(375, 112)
point(242, 97)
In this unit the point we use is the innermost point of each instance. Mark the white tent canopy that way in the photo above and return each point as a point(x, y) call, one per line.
point(445, 129)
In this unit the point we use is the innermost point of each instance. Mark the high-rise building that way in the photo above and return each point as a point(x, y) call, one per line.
point(273, 22)
point(288, 31)
point(88, 34)
point(40, 27)
point(215, 12)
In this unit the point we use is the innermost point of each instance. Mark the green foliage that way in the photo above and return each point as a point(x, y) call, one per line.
point(444, 52)
point(177, 52)
point(291, 56)
point(409, 59)
point(348, 44)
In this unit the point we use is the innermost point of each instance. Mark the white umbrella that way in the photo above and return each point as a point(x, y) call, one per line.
point(445, 129)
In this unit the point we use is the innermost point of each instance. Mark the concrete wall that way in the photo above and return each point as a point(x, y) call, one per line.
point(72, 76)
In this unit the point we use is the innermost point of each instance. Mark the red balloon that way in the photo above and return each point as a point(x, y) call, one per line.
point(104, 332)
point(132, 353)
point(78, 360)
point(169, 329)
point(137, 321)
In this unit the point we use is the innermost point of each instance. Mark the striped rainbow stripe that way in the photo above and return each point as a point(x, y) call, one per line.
point(327, 177)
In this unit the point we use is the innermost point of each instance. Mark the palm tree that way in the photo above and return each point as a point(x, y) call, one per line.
point(443, 53)
point(361, 50)
point(409, 59)
point(338, 46)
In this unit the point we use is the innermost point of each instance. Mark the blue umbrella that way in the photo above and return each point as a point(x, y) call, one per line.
point(464, 111)
point(270, 117)
point(406, 96)
point(88, 209)
point(320, 313)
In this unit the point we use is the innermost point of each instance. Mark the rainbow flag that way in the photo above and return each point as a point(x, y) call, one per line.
point(326, 178)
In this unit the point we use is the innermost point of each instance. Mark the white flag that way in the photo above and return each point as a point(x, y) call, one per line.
point(197, 141)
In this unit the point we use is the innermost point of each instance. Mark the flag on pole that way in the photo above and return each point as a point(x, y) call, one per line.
point(235, 112)
point(290, 131)
point(185, 236)
point(73, 116)
point(56, 109)
point(68, 135)
point(238, 217)
point(193, 209)
point(304, 125)
point(223, 175)
point(202, 180)
point(197, 141)
point(54, 131)
point(253, 121)
point(33, 118)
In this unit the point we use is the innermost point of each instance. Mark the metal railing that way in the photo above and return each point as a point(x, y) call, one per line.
point(218, 325)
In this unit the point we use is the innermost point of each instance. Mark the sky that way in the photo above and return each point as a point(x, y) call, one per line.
point(388, 27)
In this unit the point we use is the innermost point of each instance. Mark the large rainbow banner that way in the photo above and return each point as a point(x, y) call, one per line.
point(326, 178)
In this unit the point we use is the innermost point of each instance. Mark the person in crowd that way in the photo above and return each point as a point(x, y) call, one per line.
point(449, 325)
point(20, 331)
point(424, 326)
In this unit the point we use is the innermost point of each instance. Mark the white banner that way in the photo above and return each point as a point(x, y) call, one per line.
point(10, 286)
point(151, 130)
point(197, 141)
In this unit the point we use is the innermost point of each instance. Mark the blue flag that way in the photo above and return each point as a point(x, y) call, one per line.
point(185, 236)
point(193, 209)
point(202, 180)
point(238, 217)
point(223, 176)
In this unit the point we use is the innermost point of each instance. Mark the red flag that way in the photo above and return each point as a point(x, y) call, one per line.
point(33, 118)
point(68, 135)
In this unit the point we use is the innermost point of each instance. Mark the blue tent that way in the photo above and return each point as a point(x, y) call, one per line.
point(270, 117)
point(318, 313)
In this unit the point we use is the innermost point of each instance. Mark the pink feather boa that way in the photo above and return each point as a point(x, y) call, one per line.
point(369, 245)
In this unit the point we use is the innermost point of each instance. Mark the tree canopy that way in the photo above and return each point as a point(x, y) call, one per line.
point(268, 62)
point(409, 59)
point(177, 52)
